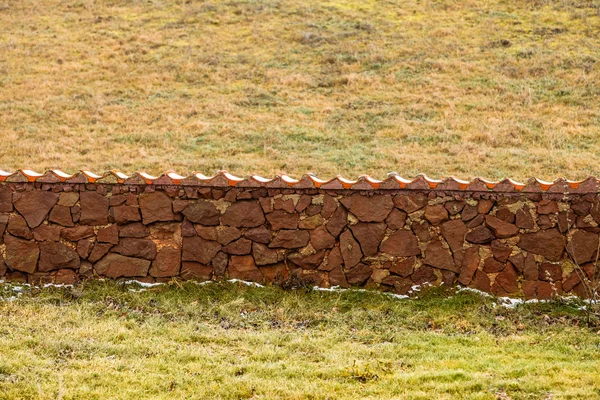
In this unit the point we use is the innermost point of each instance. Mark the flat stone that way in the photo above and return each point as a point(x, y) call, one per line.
point(311, 222)
point(116, 266)
point(285, 205)
point(84, 248)
point(207, 232)
point(202, 212)
point(135, 230)
point(470, 265)
point(140, 248)
point(396, 219)
point(244, 268)
point(507, 279)
point(264, 255)
point(99, 251)
point(77, 233)
point(524, 219)
point(46, 233)
point(423, 274)
point(309, 261)
point(21, 255)
point(583, 247)
point(369, 235)
point(480, 235)
point(338, 278)
point(505, 214)
point(501, 229)
point(61, 216)
point(438, 256)
point(219, 263)
point(18, 227)
point(468, 213)
point(280, 219)
point(337, 222)
point(239, 247)
point(329, 206)
point(411, 202)
point(436, 214)
point(6, 199)
point(226, 234)
point(320, 238)
point(550, 272)
point(421, 229)
point(481, 282)
point(155, 206)
point(167, 262)
point(125, 214)
point(454, 232)
point(484, 206)
point(108, 234)
point(547, 207)
point(548, 243)
point(199, 250)
point(359, 274)
point(404, 267)
point(369, 208)
point(94, 209)
point(196, 271)
point(332, 260)
point(246, 214)
point(401, 243)
point(260, 234)
point(68, 199)
point(55, 255)
point(454, 206)
point(290, 239)
point(351, 252)
point(35, 205)
point(491, 265)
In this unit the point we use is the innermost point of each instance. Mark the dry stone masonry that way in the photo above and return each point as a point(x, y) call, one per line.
point(504, 238)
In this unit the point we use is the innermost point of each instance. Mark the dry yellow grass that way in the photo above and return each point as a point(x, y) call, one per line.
point(466, 88)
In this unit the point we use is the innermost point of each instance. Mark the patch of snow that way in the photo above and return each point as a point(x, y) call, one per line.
point(143, 284)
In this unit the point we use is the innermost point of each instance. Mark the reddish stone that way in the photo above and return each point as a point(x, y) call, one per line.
point(547, 207)
point(35, 205)
point(484, 206)
point(114, 200)
point(550, 272)
point(285, 205)
point(337, 222)
point(3, 224)
point(423, 274)
point(350, 249)
point(320, 239)
point(203, 212)
point(470, 265)
point(338, 278)
point(226, 234)
point(142, 248)
point(18, 227)
point(304, 201)
point(454, 206)
point(199, 250)
point(125, 214)
point(6, 200)
point(490, 266)
point(94, 208)
point(329, 206)
point(282, 220)
point(311, 261)
point(454, 232)
point(436, 214)
point(311, 222)
point(333, 260)
point(167, 262)
point(16, 276)
point(266, 204)
point(264, 255)
point(196, 271)
point(115, 266)
point(480, 235)
point(276, 273)
point(396, 219)
point(313, 209)
point(524, 219)
point(76, 213)
point(109, 234)
point(544, 290)
point(549, 243)
point(438, 256)
point(369, 235)
point(46, 233)
point(239, 247)
point(55, 255)
point(501, 229)
point(448, 278)
point(530, 268)
point(64, 277)
point(505, 215)
point(529, 289)
point(68, 199)
point(565, 220)
point(244, 268)
point(369, 208)
point(401, 244)
point(84, 247)
point(166, 231)
point(583, 247)
point(500, 251)
point(21, 255)
point(478, 220)
point(404, 267)
point(156, 206)
point(259, 235)
point(207, 232)
point(219, 263)
point(581, 208)
point(135, 230)
point(469, 212)
point(290, 239)
point(359, 274)
point(481, 281)
point(546, 222)
point(61, 215)
point(99, 251)
point(77, 233)
point(247, 214)
point(411, 202)
point(421, 229)
point(572, 280)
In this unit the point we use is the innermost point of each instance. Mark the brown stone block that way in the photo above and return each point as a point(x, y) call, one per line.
point(247, 214)
point(18, 227)
point(94, 208)
point(369, 208)
point(351, 252)
point(35, 205)
point(21, 255)
point(369, 235)
point(199, 250)
point(61, 215)
point(167, 262)
point(501, 229)
point(401, 243)
point(244, 268)
point(55, 255)
point(155, 206)
point(410, 202)
point(202, 212)
point(239, 247)
point(290, 239)
point(116, 266)
point(436, 214)
point(359, 274)
point(549, 243)
point(139, 248)
point(280, 219)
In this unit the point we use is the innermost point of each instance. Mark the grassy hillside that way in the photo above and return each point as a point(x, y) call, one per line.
point(493, 88)
point(106, 340)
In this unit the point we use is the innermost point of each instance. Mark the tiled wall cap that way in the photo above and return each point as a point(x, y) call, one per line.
point(308, 181)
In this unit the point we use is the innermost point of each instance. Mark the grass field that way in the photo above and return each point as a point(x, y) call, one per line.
point(107, 340)
point(494, 87)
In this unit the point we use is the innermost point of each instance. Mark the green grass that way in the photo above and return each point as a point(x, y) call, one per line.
point(103, 340)
point(497, 88)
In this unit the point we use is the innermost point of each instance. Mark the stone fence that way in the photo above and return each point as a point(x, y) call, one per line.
point(518, 241)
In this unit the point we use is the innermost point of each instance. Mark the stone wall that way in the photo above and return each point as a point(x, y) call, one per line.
point(518, 243)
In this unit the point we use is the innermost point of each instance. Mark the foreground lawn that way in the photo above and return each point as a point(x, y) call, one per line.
point(107, 340)
point(477, 87)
